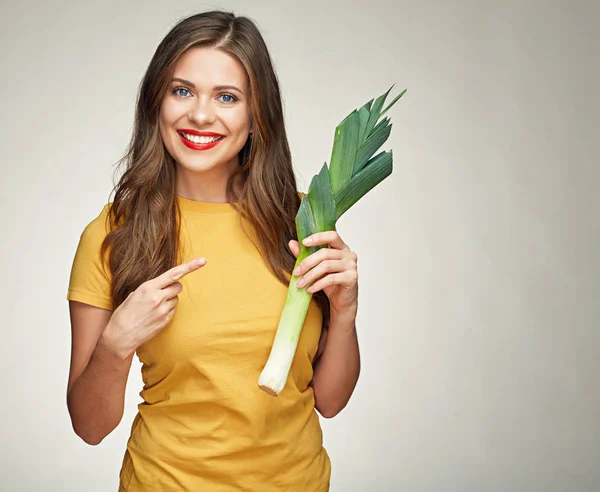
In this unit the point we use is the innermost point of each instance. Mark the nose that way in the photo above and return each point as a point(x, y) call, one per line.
point(203, 111)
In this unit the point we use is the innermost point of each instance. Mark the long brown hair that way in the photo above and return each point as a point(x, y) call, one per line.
point(145, 217)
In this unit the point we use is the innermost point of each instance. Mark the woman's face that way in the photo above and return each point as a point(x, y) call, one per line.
point(196, 102)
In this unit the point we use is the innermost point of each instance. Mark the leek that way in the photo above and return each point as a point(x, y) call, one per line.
point(352, 172)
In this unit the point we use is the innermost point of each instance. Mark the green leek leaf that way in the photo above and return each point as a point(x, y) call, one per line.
point(322, 201)
point(376, 109)
point(363, 119)
point(305, 222)
point(343, 155)
point(376, 170)
point(376, 139)
point(392, 103)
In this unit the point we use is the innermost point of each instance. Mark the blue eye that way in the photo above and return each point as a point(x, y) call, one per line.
point(233, 98)
point(229, 101)
point(174, 91)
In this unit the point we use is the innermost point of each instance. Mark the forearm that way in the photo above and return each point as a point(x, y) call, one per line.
point(337, 370)
point(97, 398)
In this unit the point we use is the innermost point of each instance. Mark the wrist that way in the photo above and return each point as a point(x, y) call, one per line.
point(110, 347)
point(343, 321)
point(346, 314)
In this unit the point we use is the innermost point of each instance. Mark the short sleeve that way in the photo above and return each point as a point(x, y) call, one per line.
point(90, 277)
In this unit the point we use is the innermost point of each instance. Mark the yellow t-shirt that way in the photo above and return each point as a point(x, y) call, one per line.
point(204, 424)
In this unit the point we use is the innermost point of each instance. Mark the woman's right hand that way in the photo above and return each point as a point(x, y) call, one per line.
point(146, 310)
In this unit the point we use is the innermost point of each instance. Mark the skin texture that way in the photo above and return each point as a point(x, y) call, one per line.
point(202, 174)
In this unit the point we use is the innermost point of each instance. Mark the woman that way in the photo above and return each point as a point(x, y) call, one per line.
point(209, 175)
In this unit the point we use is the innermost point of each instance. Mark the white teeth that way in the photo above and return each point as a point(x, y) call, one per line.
point(198, 139)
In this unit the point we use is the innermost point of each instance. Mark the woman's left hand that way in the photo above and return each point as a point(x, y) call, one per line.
point(332, 270)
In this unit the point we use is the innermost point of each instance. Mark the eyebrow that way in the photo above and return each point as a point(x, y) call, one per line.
point(215, 88)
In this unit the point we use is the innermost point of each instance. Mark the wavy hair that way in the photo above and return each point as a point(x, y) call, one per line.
point(145, 217)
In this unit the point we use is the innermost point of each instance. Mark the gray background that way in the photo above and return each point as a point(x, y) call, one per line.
point(478, 315)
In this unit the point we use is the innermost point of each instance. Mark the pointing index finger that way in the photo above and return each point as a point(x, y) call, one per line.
point(179, 271)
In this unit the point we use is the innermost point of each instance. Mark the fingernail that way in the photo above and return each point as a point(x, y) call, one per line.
point(296, 271)
point(307, 241)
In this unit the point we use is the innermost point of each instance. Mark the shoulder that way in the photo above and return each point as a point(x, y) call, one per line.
point(99, 226)
point(102, 217)
point(90, 278)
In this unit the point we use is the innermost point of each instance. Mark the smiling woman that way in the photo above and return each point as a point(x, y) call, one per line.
point(208, 175)
point(203, 117)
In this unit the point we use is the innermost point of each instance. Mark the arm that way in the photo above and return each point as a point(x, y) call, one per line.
point(337, 369)
point(104, 343)
point(98, 374)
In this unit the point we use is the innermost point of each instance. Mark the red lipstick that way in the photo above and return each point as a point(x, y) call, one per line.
point(197, 146)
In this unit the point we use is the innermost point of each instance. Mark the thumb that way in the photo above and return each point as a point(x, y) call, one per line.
point(294, 247)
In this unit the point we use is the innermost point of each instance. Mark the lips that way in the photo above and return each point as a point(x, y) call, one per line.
point(190, 131)
point(200, 146)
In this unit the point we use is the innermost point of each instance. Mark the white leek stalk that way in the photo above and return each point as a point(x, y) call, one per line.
point(352, 173)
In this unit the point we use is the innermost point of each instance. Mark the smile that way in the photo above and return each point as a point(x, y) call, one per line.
point(199, 143)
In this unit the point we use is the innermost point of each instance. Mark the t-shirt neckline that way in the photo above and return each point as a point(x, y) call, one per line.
point(188, 205)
